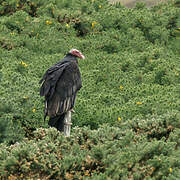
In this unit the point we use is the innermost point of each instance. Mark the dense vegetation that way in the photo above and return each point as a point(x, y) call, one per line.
point(131, 83)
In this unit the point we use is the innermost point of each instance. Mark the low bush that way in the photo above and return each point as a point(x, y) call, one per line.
point(131, 82)
point(137, 149)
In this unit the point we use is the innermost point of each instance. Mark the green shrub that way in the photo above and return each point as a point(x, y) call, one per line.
point(124, 47)
point(113, 152)
point(131, 80)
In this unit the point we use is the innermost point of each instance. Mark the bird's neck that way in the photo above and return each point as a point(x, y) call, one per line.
point(71, 57)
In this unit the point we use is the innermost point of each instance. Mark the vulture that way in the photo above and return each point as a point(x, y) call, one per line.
point(60, 84)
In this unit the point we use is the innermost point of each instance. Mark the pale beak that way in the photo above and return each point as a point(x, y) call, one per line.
point(82, 56)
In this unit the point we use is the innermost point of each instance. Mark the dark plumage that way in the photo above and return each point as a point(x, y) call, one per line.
point(60, 84)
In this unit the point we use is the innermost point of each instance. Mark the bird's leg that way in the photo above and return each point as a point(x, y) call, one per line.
point(67, 124)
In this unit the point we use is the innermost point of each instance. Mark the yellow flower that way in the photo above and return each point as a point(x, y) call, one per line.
point(23, 64)
point(86, 173)
point(152, 168)
point(150, 60)
point(138, 103)
point(119, 118)
point(25, 97)
point(67, 25)
point(12, 33)
point(100, 6)
point(170, 170)
point(17, 5)
point(121, 87)
point(34, 110)
point(93, 24)
point(48, 22)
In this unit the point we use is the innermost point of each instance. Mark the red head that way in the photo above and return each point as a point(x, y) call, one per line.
point(77, 53)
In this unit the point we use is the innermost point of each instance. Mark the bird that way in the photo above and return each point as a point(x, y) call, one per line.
point(59, 86)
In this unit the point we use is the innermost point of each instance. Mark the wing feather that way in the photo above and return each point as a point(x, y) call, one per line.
point(50, 79)
point(60, 85)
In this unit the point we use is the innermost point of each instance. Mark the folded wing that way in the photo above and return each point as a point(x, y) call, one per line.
point(60, 85)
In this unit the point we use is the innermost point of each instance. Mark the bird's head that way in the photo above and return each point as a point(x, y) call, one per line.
point(77, 53)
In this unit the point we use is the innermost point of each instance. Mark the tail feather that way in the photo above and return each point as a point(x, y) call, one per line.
point(57, 122)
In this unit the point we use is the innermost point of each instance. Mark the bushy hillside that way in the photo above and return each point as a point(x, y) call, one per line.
point(131, 81)
point(106, 153)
